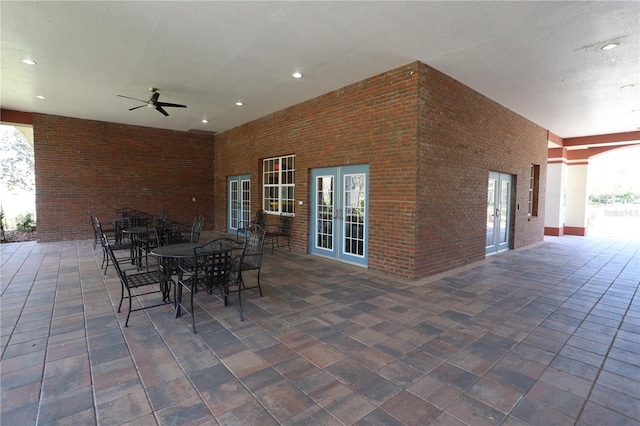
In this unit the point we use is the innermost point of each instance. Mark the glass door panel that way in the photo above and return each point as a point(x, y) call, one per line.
point(499, 212)
point(354, 201)
point(324, 213)
point(339, 213)
point(239, 201)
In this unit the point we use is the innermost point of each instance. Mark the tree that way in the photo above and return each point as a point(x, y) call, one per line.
point(16, 160)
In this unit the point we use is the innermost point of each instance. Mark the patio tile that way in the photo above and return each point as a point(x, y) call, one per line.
point(347, 406)
point(378, 417)
point(566, 381)
point(597, 415)
point(546, 334)
point(560, 400)
point(285, 401)
point(410, 409)
point(494, 395)
point(472, 411)
point(454, 376)
point(348, 370)
point(529, 411)
point(314, 415)
point(376, 388)
point(434, 391)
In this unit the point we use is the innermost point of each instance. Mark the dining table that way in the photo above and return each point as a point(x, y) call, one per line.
point(171, 256)
point(119, 225)
point(135, 234)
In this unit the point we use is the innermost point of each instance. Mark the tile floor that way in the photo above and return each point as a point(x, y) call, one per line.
point(545, 335)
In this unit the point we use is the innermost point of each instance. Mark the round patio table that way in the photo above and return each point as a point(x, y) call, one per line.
point(169, 254)
point(136, 246)
point(176, 251)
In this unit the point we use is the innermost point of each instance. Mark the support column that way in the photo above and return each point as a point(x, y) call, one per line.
point(555, 201)
point(576, 210)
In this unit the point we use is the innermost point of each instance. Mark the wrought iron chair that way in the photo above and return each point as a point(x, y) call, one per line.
point(153, 282)
point(210, 267)
point(96, 233)
point(121, 246)
point(243, 226)
point(249, 260)
point(196, 229)
point(282, 231)
point(162, 220)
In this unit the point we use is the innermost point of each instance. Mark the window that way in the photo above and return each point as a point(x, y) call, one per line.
point(534, 183)
point(278, 180)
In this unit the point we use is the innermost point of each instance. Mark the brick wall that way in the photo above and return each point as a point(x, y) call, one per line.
point(411, 125)
point(429, 141)
point(371, 122)
point(463, 135)
point(83, 164)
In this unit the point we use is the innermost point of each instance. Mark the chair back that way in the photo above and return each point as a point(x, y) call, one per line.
point(169, 234)
point(261, 219)
point(97, 228)
point(93, 224)
point(114, 260)
point(213, 264)
point(196, 228)
point(253, 248)
point(162, 219)
point(284, 226)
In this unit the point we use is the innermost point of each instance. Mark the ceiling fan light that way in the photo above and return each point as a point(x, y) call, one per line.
point(205, 121)
point(29, 61)
point(40, 97)
point(610, 46)
point(297, 75)
point(239, 103)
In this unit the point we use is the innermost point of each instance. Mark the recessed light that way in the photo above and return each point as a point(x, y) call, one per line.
point(239, 103)
point(205, 121)
point(296, 75)
point(610, 46)
point(29, 62)
point(40, 97)
point(627, 86)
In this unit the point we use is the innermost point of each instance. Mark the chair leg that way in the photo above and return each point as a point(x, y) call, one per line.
point(259, 288)
point(193, 314)
point(121, 296)
point(178, 299)
point(126, 323)
point(240, 285)
point(104, 258)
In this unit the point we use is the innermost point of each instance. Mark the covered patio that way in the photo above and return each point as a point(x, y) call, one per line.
point(546, 334)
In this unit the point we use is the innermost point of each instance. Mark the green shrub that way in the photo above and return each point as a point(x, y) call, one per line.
point(2, 236)
point(24, 222)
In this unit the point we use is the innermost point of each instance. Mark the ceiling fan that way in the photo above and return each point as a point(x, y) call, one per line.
point(153, 102)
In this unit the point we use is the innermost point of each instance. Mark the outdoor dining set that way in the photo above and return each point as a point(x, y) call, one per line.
point(153, 255)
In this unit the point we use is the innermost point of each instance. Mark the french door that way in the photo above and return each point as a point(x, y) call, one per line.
point(499, 212)
point(339, 210)
point(239, 197)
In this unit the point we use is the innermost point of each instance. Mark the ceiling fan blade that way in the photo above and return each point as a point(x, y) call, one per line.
point(135, 99)
point(154, 98)
point(166, 104)
point(131, 109)
point(159, 108)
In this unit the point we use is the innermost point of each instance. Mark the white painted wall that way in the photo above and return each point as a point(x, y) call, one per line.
point(555, 201)
point(576, 211)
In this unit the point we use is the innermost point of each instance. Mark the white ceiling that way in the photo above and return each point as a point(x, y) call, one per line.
point(540, 59)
